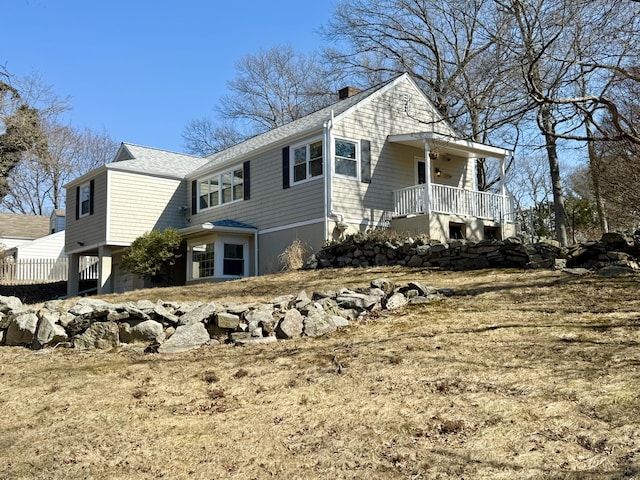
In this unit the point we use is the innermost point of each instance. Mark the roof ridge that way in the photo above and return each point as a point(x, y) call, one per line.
point(160, 150)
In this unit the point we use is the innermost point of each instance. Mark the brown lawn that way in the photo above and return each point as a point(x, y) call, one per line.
point(527, 375)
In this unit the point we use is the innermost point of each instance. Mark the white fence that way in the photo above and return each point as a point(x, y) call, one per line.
point(452, 200)
point(44, 270)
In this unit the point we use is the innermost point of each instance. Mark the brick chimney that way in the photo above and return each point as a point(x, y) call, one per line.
point(347, 92)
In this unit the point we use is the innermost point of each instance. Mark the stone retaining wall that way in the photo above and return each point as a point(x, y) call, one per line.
point(613, 250)
point(169, 327)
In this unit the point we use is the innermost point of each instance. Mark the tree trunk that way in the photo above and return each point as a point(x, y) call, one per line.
point(594, 170)
point(561, 221)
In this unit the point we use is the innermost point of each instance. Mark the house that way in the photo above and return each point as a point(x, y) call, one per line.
point(380, 157)
point(18, 228)
point(37, 251)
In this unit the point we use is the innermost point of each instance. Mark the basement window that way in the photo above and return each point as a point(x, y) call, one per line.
point(457, 231)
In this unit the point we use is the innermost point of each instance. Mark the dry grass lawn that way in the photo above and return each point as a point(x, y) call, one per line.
point(527, 375)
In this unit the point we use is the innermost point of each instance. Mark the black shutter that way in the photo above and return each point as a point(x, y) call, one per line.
point(194, 197)
point(91, 190)
point(77, 203)
point(365, 161)
point(246, 177)
point(285, 167)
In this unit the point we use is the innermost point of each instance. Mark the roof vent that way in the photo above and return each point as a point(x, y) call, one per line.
point(347, 92)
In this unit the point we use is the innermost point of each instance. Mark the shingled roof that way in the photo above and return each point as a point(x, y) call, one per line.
point(21, 226)
point(308, 123)
point(153, 161)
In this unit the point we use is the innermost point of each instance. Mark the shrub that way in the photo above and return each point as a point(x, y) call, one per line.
point(294, 255)
point(153, 255)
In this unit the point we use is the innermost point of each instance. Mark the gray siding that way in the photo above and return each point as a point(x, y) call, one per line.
point(91, 229)
point(141, 203)
point(270, 245)
point(270, 205)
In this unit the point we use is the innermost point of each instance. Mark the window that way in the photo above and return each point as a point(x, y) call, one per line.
point(233, 263)
point(306, 161)
point(457, 231)
point(224, 187)
point(492, 233)
point(346, 161)
point(203, 260)
point(85, 199)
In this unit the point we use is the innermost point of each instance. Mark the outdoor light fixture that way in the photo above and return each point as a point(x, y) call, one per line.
point(434, 154)
point(438, 172)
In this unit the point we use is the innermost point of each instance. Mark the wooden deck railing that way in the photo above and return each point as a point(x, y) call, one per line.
point(451, 200)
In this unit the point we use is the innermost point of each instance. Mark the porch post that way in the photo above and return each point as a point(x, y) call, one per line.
point(104, 270)
point(73, 277)
point(427, 178)
point(503, 192)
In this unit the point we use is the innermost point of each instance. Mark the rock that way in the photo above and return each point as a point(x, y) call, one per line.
point(227, 320)
point(237, 308)
point(185, 338)
point(161, 314)
point(255, 341)
point(132, 310)
point(262, 318)
point(318, 323)
point(291, 325)
point(49, 333)
point(339, 321)
point(10, 304)
point(147, 331)
point(395, 301)
point(187, 307)
point(91, 308)
point(415, 261)
point(5, 320)
point(100, 335)
point(577, 271)
point(616, 271)
point(283, 302)
point(201, 314)
point(302, 300)
point(22, 329)
point(347, 299)
point(615, 240)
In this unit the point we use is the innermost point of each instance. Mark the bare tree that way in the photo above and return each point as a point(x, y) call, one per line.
point(35, 184)
point(272, 87)
point(449, 47)
point(202, 136)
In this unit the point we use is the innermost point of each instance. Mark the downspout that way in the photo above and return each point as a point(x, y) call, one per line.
point(427, 185)
point(327, 147)
point(255, 254)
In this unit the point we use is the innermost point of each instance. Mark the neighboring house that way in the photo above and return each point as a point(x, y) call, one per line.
point(381, 157)
point(18, 228)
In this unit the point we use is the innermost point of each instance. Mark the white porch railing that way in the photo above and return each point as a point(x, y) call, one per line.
point(44, 270)
point(450, 200)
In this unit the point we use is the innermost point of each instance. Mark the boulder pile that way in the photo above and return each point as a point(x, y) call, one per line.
point(170, 327)
point(613, 251)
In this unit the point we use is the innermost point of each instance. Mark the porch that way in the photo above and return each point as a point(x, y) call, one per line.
point(437, 198)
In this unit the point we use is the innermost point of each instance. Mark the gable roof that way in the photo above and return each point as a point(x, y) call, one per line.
point(313, 121)
point(27, 227)
point(153, 161)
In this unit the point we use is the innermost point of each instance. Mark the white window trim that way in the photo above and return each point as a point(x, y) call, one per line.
point(218, 259)
point(219, 175)
point(357, 159)
point(86, 185)
point(292, 150)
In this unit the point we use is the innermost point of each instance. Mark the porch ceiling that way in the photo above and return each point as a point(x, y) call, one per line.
point(450, 145)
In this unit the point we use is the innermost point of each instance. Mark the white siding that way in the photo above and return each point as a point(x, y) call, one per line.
point(141, 203)
point(51, 246)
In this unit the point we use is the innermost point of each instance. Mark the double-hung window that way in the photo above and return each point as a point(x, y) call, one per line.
point(306, 161)
point(347, 158)
point(223, 187)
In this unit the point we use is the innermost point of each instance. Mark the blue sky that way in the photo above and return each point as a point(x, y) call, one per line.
point(141, 69)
